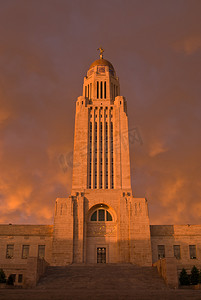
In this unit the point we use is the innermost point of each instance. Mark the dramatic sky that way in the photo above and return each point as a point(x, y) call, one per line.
point(46, 47)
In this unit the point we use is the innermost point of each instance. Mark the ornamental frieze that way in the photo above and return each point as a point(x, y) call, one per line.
point(101, 230)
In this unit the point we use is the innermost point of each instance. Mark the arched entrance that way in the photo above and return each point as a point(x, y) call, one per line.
point(101, 235)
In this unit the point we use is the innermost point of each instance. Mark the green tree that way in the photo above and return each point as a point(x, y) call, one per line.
point(183, 278)
point(2, 276)
point(194, 275)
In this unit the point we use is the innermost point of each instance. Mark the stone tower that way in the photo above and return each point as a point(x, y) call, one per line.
point(101, 221)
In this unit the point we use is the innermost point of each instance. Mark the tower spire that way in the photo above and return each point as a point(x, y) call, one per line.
point(101, 52)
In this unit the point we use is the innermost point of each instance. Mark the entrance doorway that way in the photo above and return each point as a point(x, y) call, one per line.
point(101, 255)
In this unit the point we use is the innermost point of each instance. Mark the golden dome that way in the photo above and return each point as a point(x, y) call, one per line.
point(101, 62)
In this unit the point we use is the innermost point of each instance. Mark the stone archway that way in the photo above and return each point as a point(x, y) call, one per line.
point(101, 235)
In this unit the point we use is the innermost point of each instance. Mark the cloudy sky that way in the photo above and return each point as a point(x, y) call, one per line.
point(46, 47)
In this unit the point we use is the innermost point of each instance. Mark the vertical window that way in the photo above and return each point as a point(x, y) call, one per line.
point(112, 159)
point(161, 251)
point(101, 155)
point(108, 215)
point(177, 252)
point(20, 278)
point(111, 87)
point(85, 91)
point(106, 155)
point(90, 89)
point(95, 156)
point(94, 216)
point(101, 215)
point(10, 251)
point(41, 251)
point(116, 90)
point(101, 90)
point(97, 89)
point(90, 153)
point(105, 90)
point(25, 251)
point(192, 251)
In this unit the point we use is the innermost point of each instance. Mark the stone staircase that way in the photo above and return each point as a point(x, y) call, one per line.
point(100, 282)
point(101, 278)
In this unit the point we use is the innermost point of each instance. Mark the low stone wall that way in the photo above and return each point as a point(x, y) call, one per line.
point(167, 268)
point(31, 271)
point(35, 269)
point(17, 269)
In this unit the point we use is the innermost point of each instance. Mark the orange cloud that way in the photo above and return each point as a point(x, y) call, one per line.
point(42, 70)
point(188, 45)
point(172, 191)
point(157, 148)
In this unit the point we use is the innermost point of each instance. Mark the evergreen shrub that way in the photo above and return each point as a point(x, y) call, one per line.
point(184, 278)
point(194, 275)
point(2, 276)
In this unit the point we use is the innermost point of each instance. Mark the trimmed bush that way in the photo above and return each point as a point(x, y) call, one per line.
point(183, 278)
point(2, 276)
point(194, 275)
point(10, 280)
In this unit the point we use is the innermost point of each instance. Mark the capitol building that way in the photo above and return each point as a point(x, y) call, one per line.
point(100, 221)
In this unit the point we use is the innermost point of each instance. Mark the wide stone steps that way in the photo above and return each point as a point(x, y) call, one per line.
point(102, 277)
point(100, 282)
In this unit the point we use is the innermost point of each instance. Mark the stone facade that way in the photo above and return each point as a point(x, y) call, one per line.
point(101, 221)
point(124, 237)
point(22, 261)
point(186, 238)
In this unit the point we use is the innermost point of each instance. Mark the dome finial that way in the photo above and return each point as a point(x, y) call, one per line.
point(101, 52)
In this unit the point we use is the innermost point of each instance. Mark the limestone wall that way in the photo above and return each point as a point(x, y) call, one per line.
point(183, 235)
point(19, 235)
point(62, 247)
point(140, 244)
point(167, 268)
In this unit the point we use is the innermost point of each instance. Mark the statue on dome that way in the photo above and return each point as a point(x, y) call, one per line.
point(101, 52)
